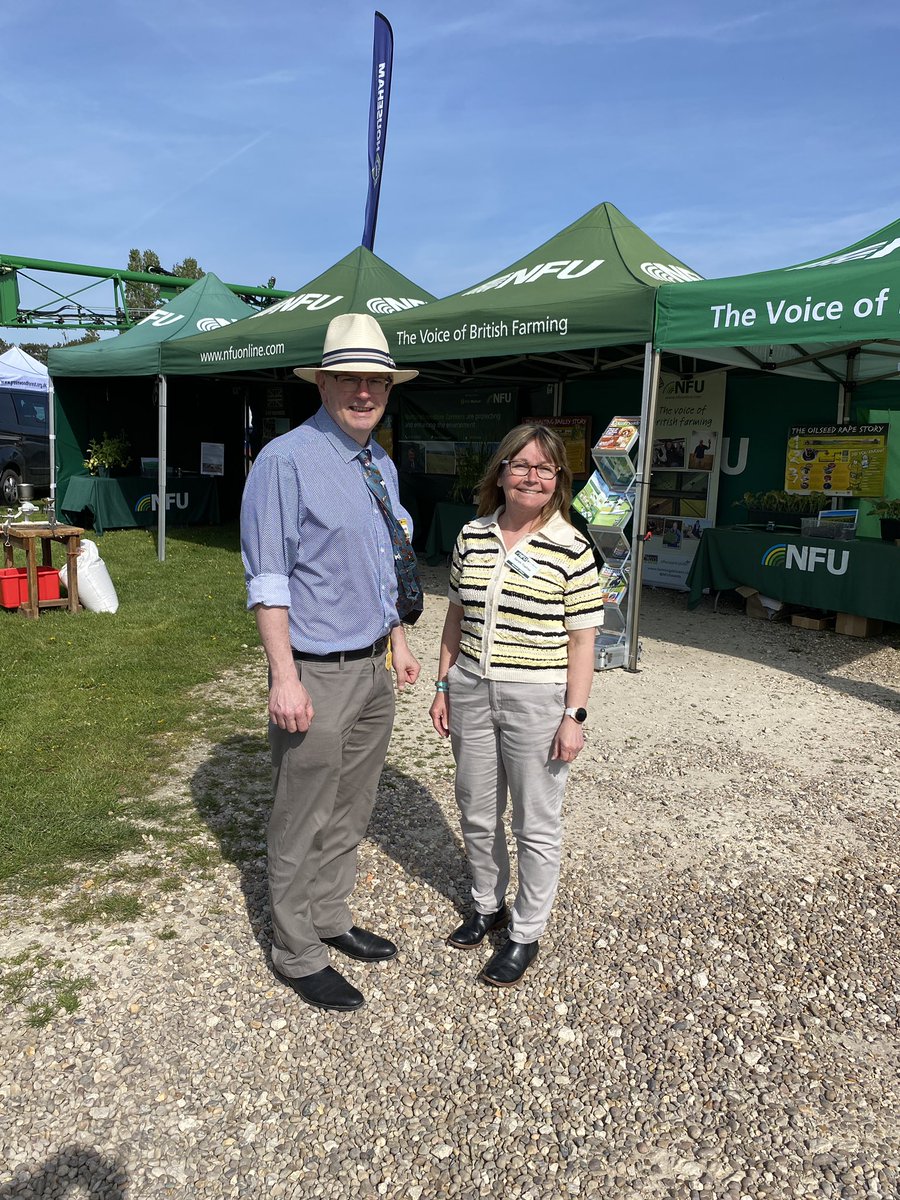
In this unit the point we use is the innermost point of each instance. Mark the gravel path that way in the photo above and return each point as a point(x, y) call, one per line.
point(713, 1012)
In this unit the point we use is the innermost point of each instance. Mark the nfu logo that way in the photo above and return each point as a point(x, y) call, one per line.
point(669, 273)
point(160, 319)
point(150, 502)
point(806, 558)
point(312, 301)
point(207, 324)
point(385, 305)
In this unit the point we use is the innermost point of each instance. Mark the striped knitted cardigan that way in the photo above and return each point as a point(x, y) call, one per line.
point(515, 628)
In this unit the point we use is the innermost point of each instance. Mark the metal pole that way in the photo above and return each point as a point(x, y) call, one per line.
point(642, 494)
point(161, 478)
point(845, 389)
point(558, 389)
point(51, 417)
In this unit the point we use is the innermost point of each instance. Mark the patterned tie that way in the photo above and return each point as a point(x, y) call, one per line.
point(409, 587)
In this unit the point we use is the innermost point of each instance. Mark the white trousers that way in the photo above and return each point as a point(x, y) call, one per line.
point(502, 737)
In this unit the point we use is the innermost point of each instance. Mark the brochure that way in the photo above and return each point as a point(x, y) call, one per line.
point(592, 495)
point(618, 470)
point(613, 584)
point(614, 511)
point(619, 436)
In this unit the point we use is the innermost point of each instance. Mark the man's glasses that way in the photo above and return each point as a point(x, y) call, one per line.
point(376, 386)
point(519, 467)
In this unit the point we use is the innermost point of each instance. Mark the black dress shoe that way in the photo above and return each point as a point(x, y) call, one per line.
point(359, 943)
point(472, 932)
point(509, 964)
point(325, 989)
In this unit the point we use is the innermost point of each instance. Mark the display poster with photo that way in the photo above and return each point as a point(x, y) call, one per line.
point(384, 434)
point(687, 446)
point(846, 460)
point(438, 427)
point(576, 436)
point(670, 551)
point(275, 419)
point(212, 458)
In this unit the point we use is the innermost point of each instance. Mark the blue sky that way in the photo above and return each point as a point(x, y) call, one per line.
point(739, 137)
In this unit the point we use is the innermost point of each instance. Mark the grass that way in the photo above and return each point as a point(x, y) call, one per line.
point(95, 705)
point(44, 987)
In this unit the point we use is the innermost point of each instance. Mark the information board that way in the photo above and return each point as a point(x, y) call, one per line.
point(845, 460)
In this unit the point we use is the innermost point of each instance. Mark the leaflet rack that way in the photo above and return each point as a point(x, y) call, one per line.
point(607, 504)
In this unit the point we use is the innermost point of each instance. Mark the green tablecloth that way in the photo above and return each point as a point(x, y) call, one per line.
point(861, 576)
point(446, 523)
point(131, 500)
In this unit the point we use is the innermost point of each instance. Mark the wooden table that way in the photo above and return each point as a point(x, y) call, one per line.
point(24, 537)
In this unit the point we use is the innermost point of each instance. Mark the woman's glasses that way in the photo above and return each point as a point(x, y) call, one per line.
point(519, 467)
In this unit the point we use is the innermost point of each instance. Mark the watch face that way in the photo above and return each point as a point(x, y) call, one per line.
point(580, 715)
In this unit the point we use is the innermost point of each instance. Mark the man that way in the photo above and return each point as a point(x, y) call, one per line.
point(328, 560)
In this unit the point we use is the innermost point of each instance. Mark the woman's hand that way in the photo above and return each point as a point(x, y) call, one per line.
point(440, 713)
point(569, 741)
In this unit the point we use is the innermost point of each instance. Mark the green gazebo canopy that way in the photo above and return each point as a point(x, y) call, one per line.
point(834, 318)
point(292, 331)
point(591, 285)
point(207, 304)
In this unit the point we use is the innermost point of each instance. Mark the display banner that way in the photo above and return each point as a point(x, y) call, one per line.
point(845, 460)
point(379, 102)
point(687, 447)
point(441, 430)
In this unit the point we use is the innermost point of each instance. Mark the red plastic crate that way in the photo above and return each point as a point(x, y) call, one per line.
point(14, 585)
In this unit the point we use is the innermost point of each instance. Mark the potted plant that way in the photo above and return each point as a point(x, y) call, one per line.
point(888, 512)
point(782, 508)
point(106, 453)
point(470, 467)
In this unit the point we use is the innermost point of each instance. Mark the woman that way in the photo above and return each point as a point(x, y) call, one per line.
point(515, 672)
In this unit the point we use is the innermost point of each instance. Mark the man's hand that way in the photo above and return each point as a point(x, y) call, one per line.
point(290, 706)
point(405, 665)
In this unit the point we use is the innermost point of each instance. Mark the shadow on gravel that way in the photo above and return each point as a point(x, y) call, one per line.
point(74, 1167)
point(409, 827)
point(231, 791)
point(721, 627)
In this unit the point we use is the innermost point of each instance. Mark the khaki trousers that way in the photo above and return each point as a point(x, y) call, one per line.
point(502, 736)
point(324, 783)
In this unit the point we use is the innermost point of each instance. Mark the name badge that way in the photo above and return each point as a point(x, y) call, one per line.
point(522, 564)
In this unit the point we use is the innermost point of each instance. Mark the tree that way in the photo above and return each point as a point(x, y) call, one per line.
point(143, 298)
point(188, 269)
point(40, 350)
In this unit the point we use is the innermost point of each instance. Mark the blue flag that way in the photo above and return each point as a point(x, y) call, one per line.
point(382, 60)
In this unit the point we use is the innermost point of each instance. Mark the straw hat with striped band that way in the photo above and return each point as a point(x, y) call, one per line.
point(355, 345)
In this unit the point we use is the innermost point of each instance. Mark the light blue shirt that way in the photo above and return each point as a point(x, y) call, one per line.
point(314, 540)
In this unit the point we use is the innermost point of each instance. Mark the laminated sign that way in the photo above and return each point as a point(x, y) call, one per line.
point(845, 460)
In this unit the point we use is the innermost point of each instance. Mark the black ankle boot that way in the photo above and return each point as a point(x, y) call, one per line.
point(472, 932)
point(510, 963)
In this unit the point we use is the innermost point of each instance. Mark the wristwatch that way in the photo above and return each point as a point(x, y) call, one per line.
point(577, 714)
